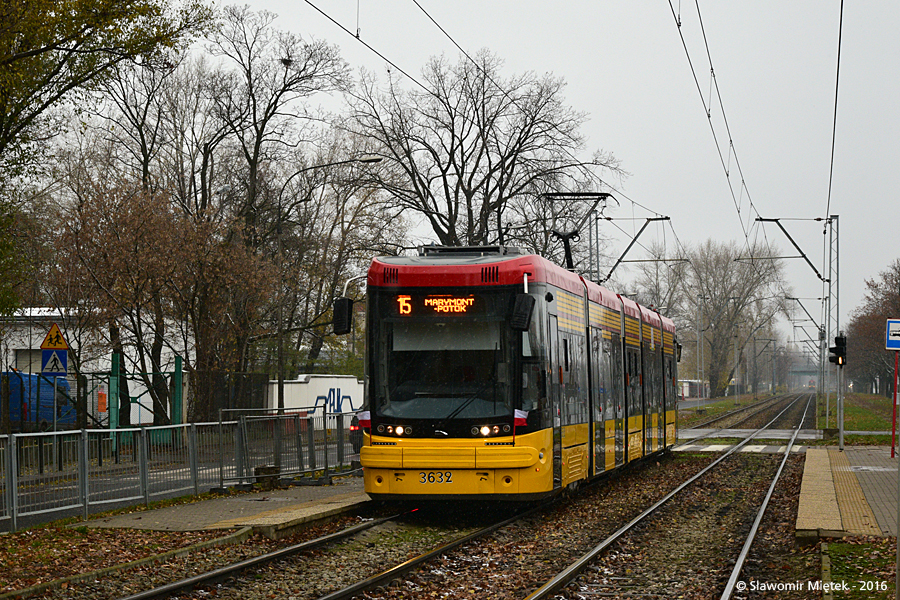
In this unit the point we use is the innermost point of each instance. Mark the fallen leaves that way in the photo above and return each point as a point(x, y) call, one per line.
point(54, 552)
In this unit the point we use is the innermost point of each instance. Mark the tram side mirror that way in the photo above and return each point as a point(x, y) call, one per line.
point(522, 311)
point(343, 316)
point(677, 352)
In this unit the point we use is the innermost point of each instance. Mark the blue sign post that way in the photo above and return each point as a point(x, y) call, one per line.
point(892, 335)
point(892, 342)
point(55, 363)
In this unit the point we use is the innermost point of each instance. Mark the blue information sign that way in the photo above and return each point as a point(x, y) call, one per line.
point(54, 362)
point(892, 336)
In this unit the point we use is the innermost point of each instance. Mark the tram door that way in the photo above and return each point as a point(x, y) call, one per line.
point(652, 395)
point(600, 411)
point(647, 394)
point(557, 393)
point(618, 399)
point(634, 403)
point(662, 381)
point(671, 400)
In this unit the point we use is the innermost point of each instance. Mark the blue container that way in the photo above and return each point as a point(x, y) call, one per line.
point(31, 402)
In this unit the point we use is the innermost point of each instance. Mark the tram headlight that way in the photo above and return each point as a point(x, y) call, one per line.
point(400, 430)
point(496, 429)
point(474, 431)
point(485, 430)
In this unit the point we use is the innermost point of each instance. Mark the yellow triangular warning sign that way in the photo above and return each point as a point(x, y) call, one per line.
point(54, 339)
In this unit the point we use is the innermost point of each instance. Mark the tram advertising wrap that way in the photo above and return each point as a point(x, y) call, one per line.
point(494, 373)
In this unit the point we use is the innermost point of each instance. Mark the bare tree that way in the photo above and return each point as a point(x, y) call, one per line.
point(867, 361)
point(132, 117)
point(661, 279)
point(738, 299)
point(262, 103)
point(472, 150)
point(344, 224)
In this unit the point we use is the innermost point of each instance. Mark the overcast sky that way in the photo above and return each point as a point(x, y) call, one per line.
point(624, 64)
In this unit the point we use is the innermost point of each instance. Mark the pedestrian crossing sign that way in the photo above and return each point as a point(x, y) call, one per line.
point(54, 339)
point(55, 362)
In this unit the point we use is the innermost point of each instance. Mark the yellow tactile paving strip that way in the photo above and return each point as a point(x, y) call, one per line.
point(818, 511)
point(856, 514)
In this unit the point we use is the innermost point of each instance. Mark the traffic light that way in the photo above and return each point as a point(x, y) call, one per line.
point(839, 351)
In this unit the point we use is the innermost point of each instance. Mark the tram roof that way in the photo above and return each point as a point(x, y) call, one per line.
point(437, 266)
point(481, 266)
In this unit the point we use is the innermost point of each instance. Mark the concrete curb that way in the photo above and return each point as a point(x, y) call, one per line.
point(277, 531)
point(238, 537)
point(827, 593)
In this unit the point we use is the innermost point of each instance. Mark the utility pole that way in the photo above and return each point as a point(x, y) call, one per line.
point(700, 338)
point(736, 335)
point(774, 381)
point(754, 379)
point(699, 344)
point(833, 308)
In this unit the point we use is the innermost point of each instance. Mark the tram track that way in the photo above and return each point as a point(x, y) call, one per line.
point(590, 576)
point(741, 413)
point(518, 557)
point(375, 544)
point(747, 488)
point(528, 547)
point(511, 559)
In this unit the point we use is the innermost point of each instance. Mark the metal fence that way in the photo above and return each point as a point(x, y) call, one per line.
point(47, 476)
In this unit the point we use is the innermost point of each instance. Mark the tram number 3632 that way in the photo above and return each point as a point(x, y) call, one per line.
point(436, 477)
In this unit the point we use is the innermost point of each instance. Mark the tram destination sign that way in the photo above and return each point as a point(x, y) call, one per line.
point(406, 305)
point(892, 335)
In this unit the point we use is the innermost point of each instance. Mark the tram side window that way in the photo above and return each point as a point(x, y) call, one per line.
point(634, 380)
point(659, 380)
point(670, 387)
point(534, 377)
point(575, 401)
point(616, 380)
point(649, 379)
point(607, 385)
point(599, 375)
point(655, 382)
point(532, 374)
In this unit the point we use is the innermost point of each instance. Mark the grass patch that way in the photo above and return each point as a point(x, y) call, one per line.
point(862, 412)
point(851, 440)
point(691, 417)
point(866, 565)
point(709, 441)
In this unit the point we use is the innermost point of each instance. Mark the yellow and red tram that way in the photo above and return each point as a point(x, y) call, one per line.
point(495, 373)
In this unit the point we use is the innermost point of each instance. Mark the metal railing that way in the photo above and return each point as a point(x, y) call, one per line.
point(47, 476)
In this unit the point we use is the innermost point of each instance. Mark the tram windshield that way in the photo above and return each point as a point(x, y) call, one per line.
point(433, 366)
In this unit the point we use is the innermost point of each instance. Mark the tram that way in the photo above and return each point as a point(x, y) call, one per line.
point(493, 373)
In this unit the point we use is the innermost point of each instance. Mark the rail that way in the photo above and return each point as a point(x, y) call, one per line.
point(235, 569)
point(561, 580)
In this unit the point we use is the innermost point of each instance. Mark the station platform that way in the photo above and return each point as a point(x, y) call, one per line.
point(849, 493)
point(274, 513)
